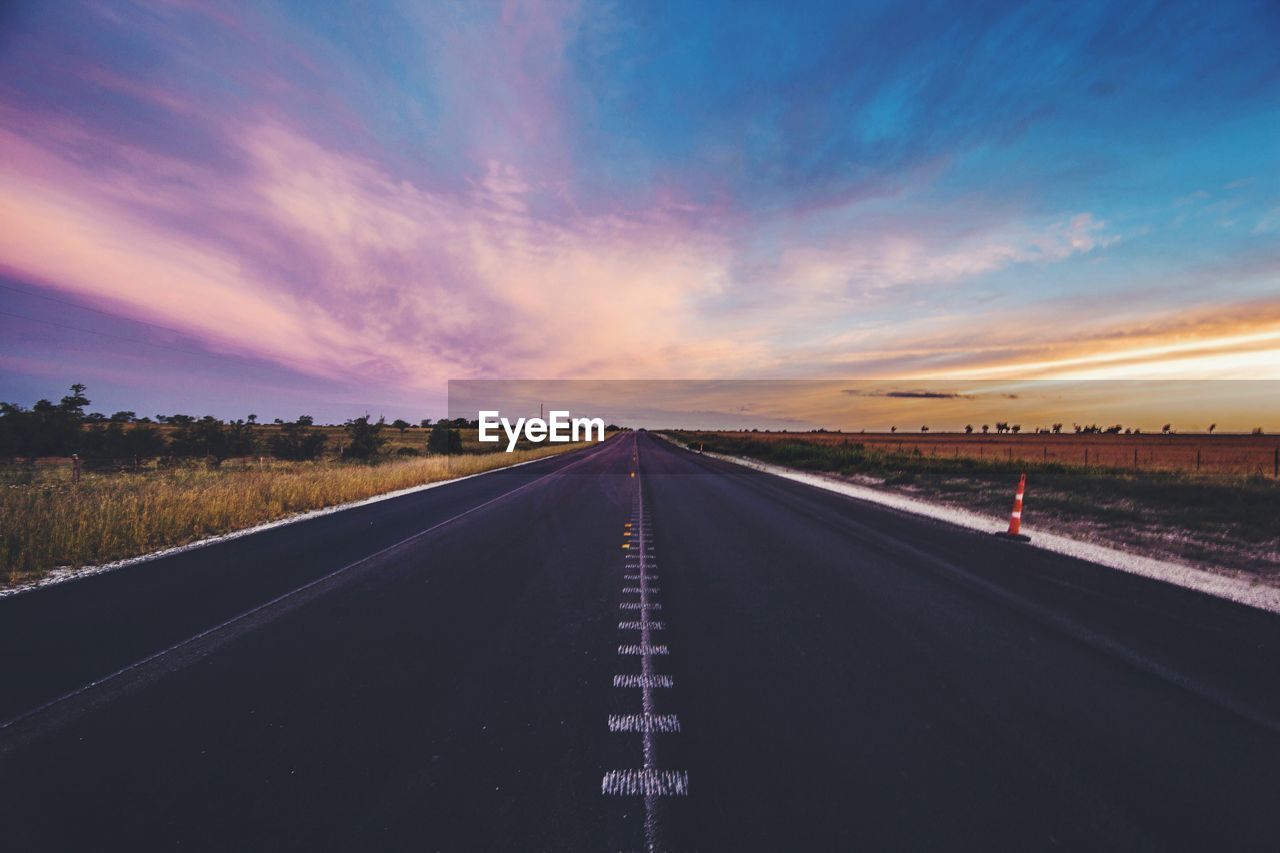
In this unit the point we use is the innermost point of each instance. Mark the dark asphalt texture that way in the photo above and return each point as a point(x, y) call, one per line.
point(434, 672)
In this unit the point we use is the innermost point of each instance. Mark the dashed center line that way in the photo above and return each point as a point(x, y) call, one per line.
point(643, 681)
point(640, 649)
point(647, 781)
point(666, 723)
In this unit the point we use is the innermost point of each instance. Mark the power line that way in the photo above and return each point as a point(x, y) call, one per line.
point(204, 354)
point(88, 308)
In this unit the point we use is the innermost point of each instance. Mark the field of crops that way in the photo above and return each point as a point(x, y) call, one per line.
point(1235, 455)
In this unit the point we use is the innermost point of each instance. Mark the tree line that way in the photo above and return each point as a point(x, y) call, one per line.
point(65, 429)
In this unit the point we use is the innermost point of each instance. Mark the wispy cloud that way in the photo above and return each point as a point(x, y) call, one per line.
point(557, 189)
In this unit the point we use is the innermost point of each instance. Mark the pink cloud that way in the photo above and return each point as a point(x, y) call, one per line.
point(386, 278)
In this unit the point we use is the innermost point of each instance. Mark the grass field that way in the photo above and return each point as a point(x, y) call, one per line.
point(1229, 455)
point(1225, 516)
point(46, 521)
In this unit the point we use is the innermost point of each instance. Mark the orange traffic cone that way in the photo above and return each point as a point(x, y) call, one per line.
point(1015, 517)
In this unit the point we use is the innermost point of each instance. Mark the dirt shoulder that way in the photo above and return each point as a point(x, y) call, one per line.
point(1224, 525)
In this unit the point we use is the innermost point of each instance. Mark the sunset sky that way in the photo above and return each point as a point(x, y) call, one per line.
point(314, 207)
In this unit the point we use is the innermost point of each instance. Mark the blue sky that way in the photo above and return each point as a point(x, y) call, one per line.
point(340, 207)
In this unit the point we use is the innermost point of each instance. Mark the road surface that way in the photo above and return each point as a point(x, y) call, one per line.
point(633, 647)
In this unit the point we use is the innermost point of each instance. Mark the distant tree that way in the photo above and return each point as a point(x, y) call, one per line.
point(893, 429)
point(1015, 428)
point(297, 441)
point(307, 420)
point(1057, 428)
point(968, 429)
point(1001, 427)
point(242, 438)
point(1257, 431)
point(425, 423)
point(365, 436)
point(986, 428)
point(124, 417)
point(253, 419)
point(73, 404)
point(114, 443)
point(1167, 429)
point(401, 424)
point(924, 428)
point(94, 418)
point(144, 442)
point(206, 438)
point(103, 443)
point(1212, 427)
point(46, 429)
point(443, 439)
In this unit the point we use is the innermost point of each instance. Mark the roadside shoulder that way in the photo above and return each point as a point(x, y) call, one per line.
point(1233, 588)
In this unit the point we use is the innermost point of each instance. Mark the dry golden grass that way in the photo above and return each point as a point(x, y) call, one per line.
point(1191, 453)
point(47, 522)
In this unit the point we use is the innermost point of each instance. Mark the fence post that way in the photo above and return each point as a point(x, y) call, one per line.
point(75, 467)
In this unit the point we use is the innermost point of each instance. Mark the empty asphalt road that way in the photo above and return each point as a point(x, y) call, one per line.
point(564, 656)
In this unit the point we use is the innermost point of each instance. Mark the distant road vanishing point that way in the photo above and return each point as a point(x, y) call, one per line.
point(633, 647)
